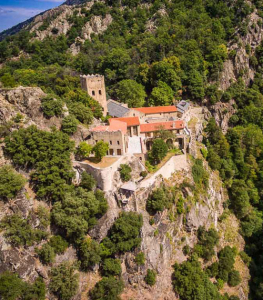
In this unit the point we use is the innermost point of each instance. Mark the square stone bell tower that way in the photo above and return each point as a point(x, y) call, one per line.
point(95, 87)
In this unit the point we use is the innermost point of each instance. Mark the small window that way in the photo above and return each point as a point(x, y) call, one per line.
point(118, 142)
point(96, 141)
point(100, 92)
point(134, 115)
point(93, 93)
point(111, 142)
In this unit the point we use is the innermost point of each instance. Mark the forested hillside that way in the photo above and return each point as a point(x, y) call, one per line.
point(151, 53)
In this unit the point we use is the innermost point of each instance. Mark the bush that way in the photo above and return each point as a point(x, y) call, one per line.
point(125, 172)
point(159, 150)
point(69, 124)
point(46, 254)
point(140, 259)
point(220, 284)
point(207, 240)
point(226, 262)
point(189, 279)
point(19, 231)
point(89, 253)
point(199, 173)
point(77, 213)
point(83, 150)
point(88, 182)
point(51, 107)
point(81, 112)
point(246, 259)
point(64, 281)
point(186, 250)
point(11, 182)
point(143, 174)
point(124, 234)
point(150, 277)
point(159, 200)
point(100, 150)
point(13, 288)
point(48, 153)
point(58, 244)
point(234, 278)
point(109, 288)
point(111, 267)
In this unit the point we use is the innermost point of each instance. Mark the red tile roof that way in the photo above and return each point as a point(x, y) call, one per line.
point(130, 121)
point(115, 125)
point(156, 109)
point(171, 125)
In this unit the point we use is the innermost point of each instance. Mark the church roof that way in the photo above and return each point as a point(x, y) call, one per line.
point(116, 109)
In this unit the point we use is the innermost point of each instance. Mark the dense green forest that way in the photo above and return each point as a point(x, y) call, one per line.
point(179, 58)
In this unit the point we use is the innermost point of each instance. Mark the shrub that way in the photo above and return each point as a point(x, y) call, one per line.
point(83, 150)
point(213, 269)
point(124, 234)
point(189, 279)
point(199, 173)
point(159, 150)
point(88, 182)
point(111, 267)
point(140, 259)
point(180, 205)
point(159, 200)
point(48, 153)
point(10, 182)
point(89, 253)
point(219, 284)
point(64, 281)
point(150, 277)
point(69, 124)
point(51, 107)
point(226, 262)
point(109, 288)
point(234, 278)
point(58, 244)
point(13, 288)
point(43, 216)
point(77, 212)
point(18, 231)
point(186, 250)
point(143, 174)
point(81, 112)
point(100, 150)
point(246, 259)
point(46, 254)
point(125, 172)
point(207, 240)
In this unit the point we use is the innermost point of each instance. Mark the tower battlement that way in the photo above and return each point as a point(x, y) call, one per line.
point(94, 84)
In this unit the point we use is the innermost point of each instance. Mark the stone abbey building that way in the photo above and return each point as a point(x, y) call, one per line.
point(132, 130)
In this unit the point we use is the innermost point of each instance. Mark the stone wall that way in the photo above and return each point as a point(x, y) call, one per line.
point(175, 163)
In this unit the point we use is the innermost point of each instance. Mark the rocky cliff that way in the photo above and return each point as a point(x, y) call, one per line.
point(240, 49)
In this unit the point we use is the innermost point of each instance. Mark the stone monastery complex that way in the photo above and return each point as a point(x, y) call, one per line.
point(132, 130)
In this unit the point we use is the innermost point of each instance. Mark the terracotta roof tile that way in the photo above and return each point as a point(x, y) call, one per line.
point(115, 125)
point(171, 125)
point(156, 109)
point(130, 121)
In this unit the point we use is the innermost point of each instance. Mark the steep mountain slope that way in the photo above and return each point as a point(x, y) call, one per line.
point(155, 52)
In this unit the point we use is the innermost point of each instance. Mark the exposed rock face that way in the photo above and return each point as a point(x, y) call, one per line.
point(27, 102)
point(222, 112)
point(96, 25)
point(240, 62)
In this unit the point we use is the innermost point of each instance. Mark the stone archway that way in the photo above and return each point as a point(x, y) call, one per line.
point(170, 143)
point(149, 145)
